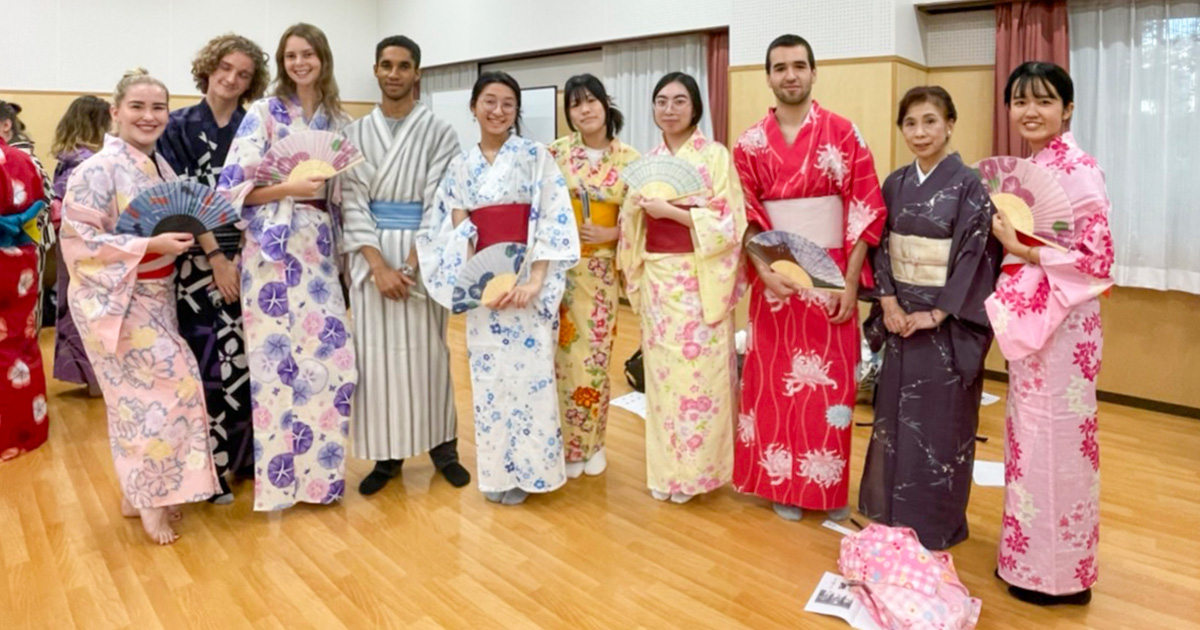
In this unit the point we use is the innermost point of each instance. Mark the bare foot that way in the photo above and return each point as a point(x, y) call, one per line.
point(154, 521)
point(127, 509)
point(174, 513)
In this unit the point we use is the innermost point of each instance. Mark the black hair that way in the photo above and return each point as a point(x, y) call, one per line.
point(935, 94)
point(496, 76)
point(403, 42)
point(9, 111)
point(1035, 76)
point(688, 84)
point(575, 89)
point(788, 41)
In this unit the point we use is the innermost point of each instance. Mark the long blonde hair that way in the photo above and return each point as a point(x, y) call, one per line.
point(84, 124)
point(326, 86)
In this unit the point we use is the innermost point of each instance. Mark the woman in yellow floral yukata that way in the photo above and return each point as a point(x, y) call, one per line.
point(681, 260)
point(591, 159)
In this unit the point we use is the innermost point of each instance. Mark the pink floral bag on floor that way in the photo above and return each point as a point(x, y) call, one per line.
point(904, 585)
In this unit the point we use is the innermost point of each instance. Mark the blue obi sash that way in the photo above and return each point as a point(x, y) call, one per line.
point(392, 215)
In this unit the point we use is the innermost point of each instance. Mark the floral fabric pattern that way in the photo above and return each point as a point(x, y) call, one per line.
point(157, 425)
point(297, 330)
point(588, 314)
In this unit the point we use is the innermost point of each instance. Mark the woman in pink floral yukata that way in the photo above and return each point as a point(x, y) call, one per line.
point(1047, 322)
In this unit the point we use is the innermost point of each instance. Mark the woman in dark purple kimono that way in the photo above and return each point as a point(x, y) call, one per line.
point(935, 266)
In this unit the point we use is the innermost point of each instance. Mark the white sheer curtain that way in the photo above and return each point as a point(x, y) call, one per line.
point(457, 76)
point(1136, 66)
point(632, 69)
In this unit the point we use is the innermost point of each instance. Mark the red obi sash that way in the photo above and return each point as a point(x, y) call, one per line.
point(664, 236)
point(154, 267)
point(504, 223)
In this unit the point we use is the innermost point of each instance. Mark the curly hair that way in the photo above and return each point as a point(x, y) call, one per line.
point(326, 87)
point(209, 58)
point(84, 124)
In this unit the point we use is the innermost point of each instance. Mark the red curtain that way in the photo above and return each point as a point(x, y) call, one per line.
point(1025, 31)
point(718, 85)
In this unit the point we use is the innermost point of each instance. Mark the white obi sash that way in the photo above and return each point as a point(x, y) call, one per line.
point(818, 219)
point(919, 261)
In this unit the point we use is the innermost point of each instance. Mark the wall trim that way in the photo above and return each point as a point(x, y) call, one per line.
point(108, 95)
point(977, 68)
point(1124, 400)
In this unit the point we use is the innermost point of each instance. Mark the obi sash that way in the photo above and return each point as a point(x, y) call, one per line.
point(919, 261)
point(393, 215)
point(155, 267)
point(600, 213)
point(503, 223)
point(664, 236)
point(818, 219)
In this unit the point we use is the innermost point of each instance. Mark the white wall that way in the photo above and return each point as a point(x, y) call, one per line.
point(450, 31)
point(966, 38)
point(86, 45)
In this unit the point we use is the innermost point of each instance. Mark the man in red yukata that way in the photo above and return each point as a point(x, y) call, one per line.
point(807, 171)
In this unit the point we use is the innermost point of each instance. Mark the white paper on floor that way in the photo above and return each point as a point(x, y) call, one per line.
point(835, 526)
point(989, 399)
point(633, 401)
point(833, 597)
point(988, 473)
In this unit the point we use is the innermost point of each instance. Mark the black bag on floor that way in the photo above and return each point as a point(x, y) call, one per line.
point(635, 373)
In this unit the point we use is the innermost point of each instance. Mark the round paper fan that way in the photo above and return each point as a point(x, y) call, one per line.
point(1030, 198)
point(802, 260)
point(176, 207)
point(664, 177)
point(487, 276)
point(304, 154)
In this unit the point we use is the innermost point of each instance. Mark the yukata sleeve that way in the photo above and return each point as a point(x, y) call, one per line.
point(631, 245)
point(752, 188)
point(172, 145)
point(103, 265)
point(249, 146)
point(718, 228)
point(556, 234)
point(360, 229)
point(863, 207)
point(1084, 271)
point(881, 255)
point(442, 247)
point(971, 280)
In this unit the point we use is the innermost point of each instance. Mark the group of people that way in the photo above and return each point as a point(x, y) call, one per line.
point(236, 352)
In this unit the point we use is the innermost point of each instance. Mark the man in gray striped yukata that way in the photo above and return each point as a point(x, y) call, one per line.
point(404, 404)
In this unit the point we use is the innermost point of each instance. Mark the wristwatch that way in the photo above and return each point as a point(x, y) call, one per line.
point(407, 270)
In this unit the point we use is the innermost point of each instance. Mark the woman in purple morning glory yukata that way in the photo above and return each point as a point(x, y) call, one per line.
point(302, 364)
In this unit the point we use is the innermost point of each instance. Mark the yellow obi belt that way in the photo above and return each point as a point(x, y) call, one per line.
point(919, 261)
point(599, 213)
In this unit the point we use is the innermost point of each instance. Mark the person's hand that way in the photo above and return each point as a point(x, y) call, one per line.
point(1005, 232)
point(921, 320)
point(894, 317)
point(170, 243)
point(657, 208)
point(226, 277)
point(519, 296)
point(778, 284)
point(391, 283)
point(306, 188)
point(595, 234)
point(843, 306)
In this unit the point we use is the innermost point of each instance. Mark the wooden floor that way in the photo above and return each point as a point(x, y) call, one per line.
point(600, 553)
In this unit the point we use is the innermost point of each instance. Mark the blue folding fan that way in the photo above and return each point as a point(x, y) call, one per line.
point(176, 207)
point(487, 276)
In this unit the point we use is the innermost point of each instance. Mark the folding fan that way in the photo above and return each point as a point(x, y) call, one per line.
point(798, 258)
point(1030, 199)
point(487, 276)
point(305, 154)
point(664, 176)
point(176, 207)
